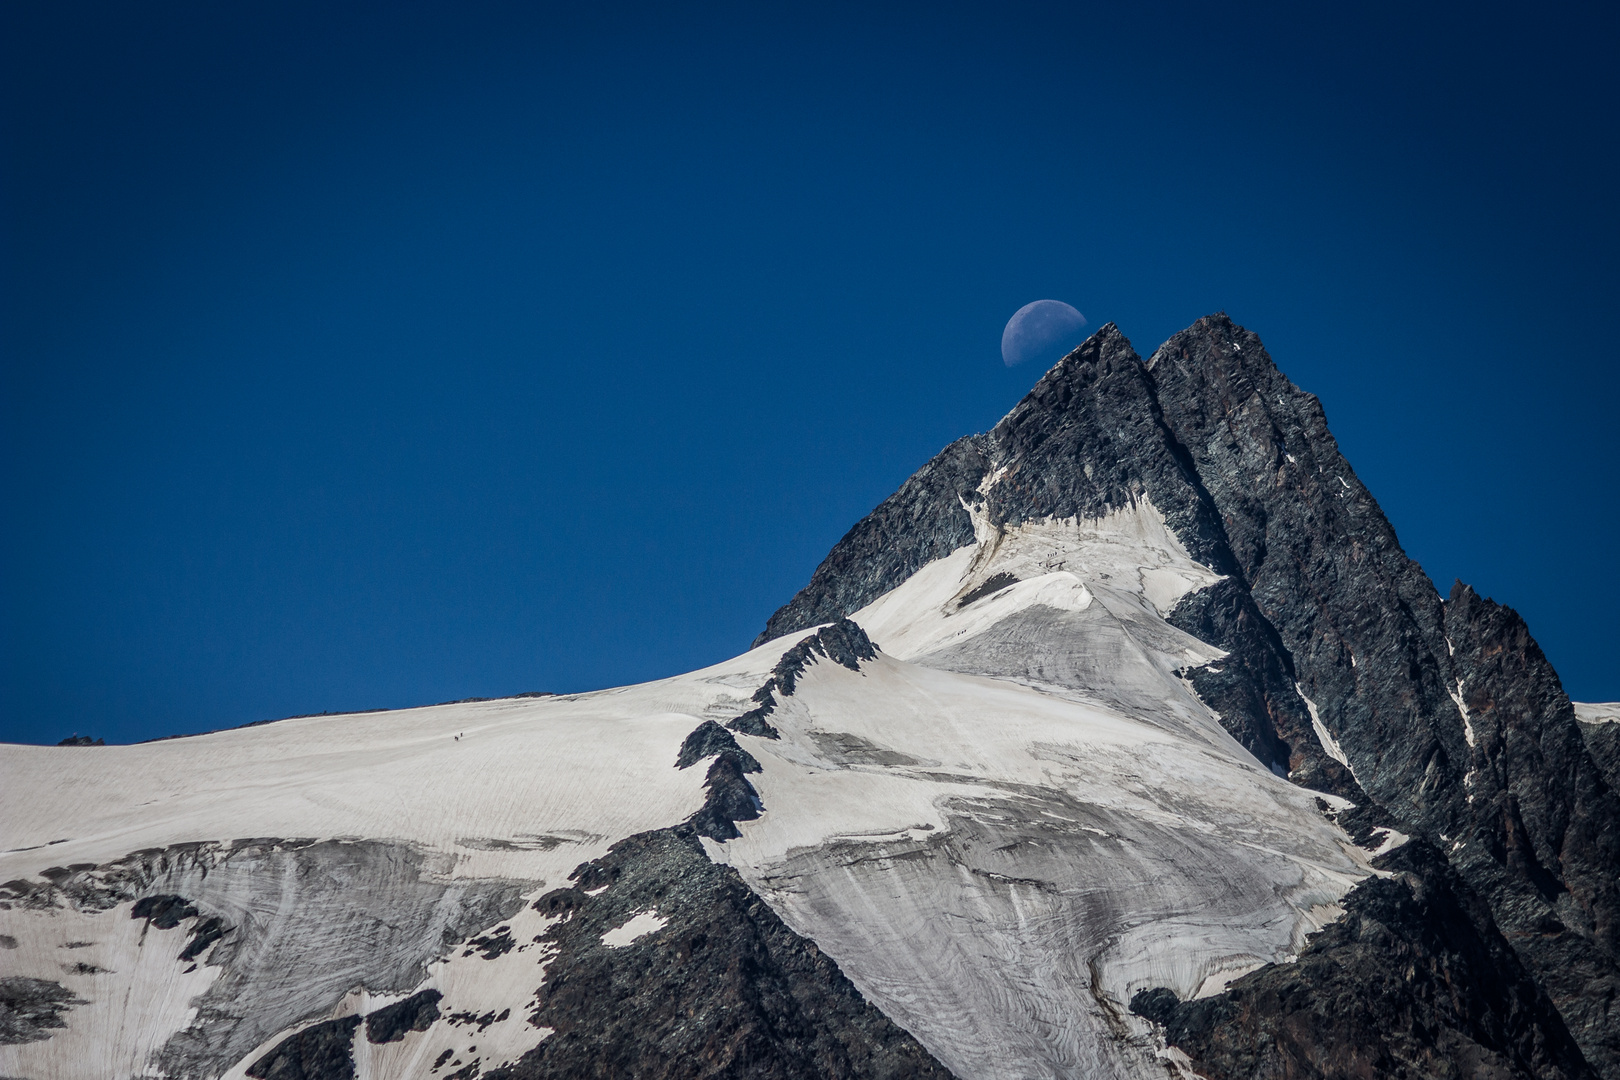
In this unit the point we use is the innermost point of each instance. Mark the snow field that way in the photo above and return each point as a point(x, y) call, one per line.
point(1014, 818)
point(136, 991)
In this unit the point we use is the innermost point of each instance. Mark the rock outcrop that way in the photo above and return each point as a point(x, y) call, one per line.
point(717, 986)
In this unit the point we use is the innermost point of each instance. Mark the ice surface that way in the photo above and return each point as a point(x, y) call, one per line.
point(1017, 864)
point(532, 788)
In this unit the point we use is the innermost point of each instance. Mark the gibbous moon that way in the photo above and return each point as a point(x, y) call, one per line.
point(1046, 330)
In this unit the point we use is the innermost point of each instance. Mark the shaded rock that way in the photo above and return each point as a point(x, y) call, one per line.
point(1601, 730)
point(31, 1008)
point(731, 798)
point(415, 1013)
point(1158, 1004)
point(1383, 656)
point(497, 942)
point(322, 1052)
point(708, 739)
point(1091, 437)
point(843, 643)
point(992, 584)
point(164, 912)
point(1452, 723)
point(204, 934)
point(722, 989)
point(921, 522)
point(1540, 828)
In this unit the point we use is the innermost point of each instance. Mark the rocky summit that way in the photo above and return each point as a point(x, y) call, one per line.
point(1123, 740)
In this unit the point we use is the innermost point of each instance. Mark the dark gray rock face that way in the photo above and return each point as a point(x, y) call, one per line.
point(322, 1052)
point(1253, 690)
point(910, 529)
point(1524, 813)
point(722, 989)
point(731, 797)
point(709, 739)
point(415, 1013)
point(992, 585)
point(30, 1008)
point(1091, 437)
point(1603, 743)
point(163, 911)
point(1319, 602)
point(1087, 439)
point(1415, 980)
point(1541, 825)
point(843, 643)
point(1361, 621)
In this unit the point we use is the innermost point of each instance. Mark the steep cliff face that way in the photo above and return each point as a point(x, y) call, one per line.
point(1538, 829)
point(1090, 438)
point(1600, 726)
point(725, 989)
point(1447, 712)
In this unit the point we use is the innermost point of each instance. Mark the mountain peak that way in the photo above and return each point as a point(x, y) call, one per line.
point(1344, 670)
point(1129, 698)
point(1088, 439)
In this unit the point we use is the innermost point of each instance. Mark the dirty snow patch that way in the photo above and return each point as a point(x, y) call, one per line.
point(640, 925)
point(1467, 718)
point(1323, 735)
point(1603, 712)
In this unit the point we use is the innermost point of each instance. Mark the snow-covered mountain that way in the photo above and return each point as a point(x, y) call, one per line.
point(1123, 740)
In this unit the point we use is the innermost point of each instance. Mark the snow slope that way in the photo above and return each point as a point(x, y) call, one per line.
point(1598, 712)
point(436, 810)
point(1001, 862)
point(1001, 828)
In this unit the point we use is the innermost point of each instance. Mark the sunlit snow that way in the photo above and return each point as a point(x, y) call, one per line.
point(1005, 825)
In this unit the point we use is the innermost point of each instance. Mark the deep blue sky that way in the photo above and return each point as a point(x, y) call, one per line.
point(365, 356)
